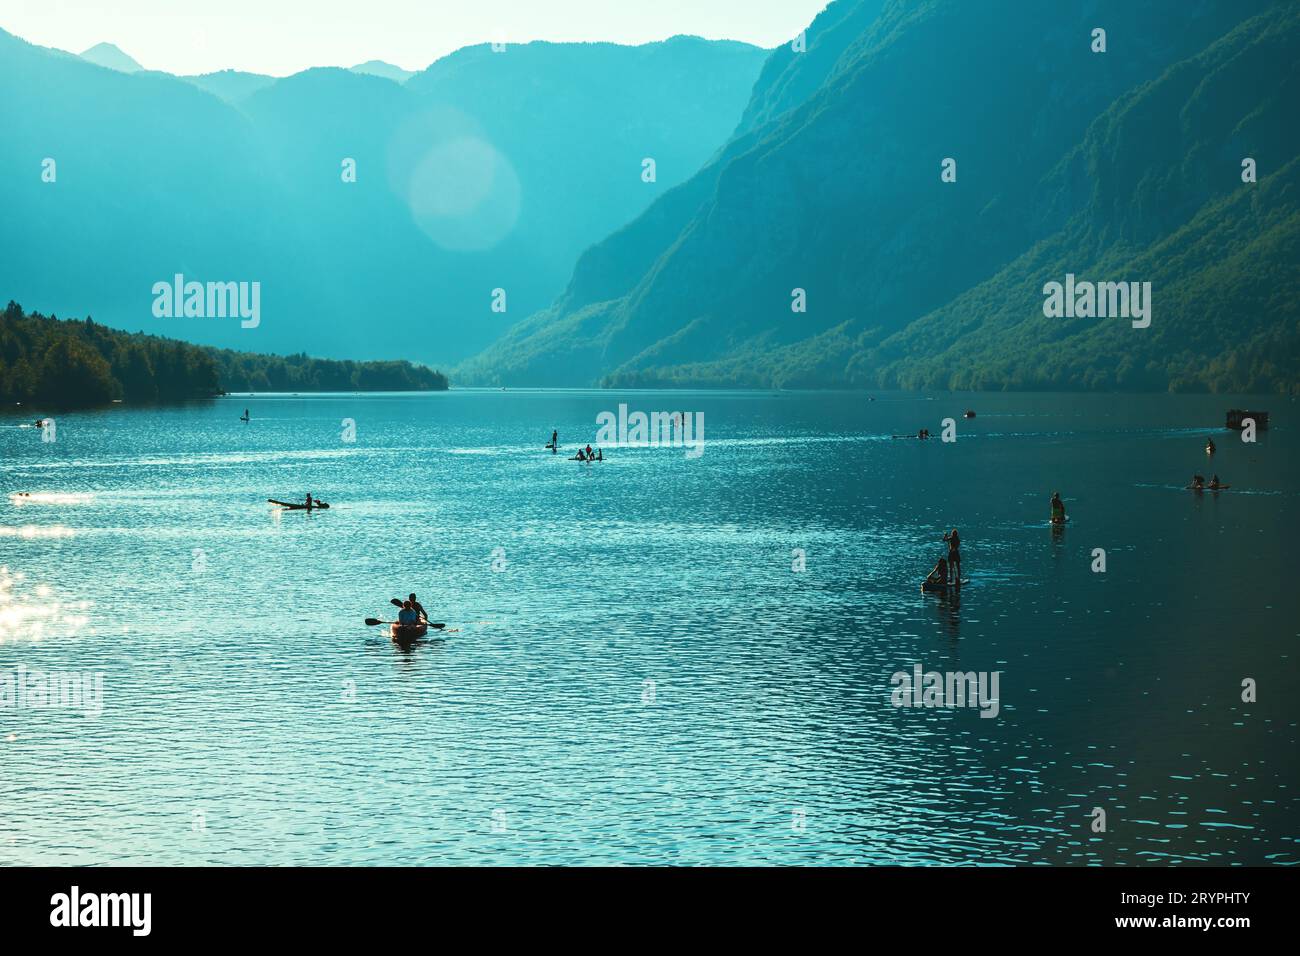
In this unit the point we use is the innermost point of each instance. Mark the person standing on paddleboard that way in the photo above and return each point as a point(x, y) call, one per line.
point(954, 555)
point(555, 441)
point(1058, 508)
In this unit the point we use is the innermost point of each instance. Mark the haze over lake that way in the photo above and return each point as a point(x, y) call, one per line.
point(637, 674)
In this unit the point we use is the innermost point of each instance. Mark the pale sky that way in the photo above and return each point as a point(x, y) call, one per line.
point(280, 37)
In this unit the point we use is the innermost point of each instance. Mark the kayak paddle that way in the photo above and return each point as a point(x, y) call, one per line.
point(397, 602)
point(372, 621)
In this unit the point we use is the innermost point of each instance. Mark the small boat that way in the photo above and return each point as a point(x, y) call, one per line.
point(969, 413)
point(1208, 487)
point(299, 506)
point(406, 633)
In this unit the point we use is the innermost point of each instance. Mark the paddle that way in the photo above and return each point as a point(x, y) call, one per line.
point(397, 602)
point(372, 622)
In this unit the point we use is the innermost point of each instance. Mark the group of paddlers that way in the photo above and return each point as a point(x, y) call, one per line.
point(584, 454)
point(947, 572)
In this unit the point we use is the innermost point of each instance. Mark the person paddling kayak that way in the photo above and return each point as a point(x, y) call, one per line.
point(408, 616)
point(1058, 508)
point(418, 608)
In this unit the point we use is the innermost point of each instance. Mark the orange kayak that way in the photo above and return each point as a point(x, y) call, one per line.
point(405, 633)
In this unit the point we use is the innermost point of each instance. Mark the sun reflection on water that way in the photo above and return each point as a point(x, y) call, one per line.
point(28, 612)
point(20, 498)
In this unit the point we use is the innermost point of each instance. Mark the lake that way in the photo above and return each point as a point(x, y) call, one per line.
point(656, 659)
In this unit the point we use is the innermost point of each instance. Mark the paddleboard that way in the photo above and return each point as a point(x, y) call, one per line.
point(1208, 488)
point(929, 586)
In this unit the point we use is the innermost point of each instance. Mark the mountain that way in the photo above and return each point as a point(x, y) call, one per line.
point(233, 86)
point(1223, 256)
point(387, 70)
point(1123, 164)
point(487, 171)
point(106, 54)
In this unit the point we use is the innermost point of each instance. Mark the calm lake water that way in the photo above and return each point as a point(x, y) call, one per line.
point(637, 673)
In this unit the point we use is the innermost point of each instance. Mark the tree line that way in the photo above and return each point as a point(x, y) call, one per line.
point(76, 363)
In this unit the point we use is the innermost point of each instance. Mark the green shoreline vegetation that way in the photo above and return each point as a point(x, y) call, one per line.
point(74, 363)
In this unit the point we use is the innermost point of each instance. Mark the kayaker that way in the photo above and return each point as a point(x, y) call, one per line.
point(1058, 508)
point(1198, 481)
point(954, 555)
point(417, 607)
point(407, 616)
point(579, 456)
point(1214, 482)
point(1209, 446)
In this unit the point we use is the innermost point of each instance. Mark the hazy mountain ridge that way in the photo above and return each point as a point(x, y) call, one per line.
point(388, 71)
point(110, 56)
point(233, 86)
point(841, 196)
point(456, 194)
